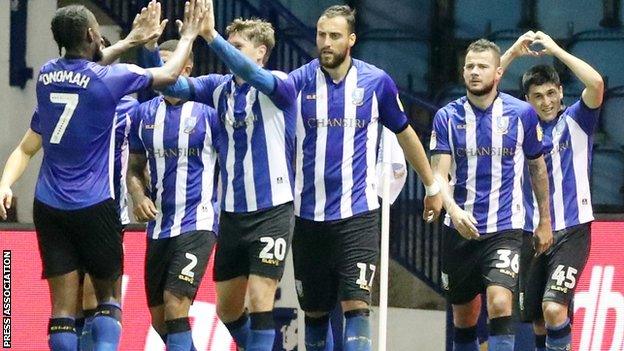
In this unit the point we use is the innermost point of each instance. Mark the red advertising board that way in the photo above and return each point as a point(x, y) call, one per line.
point(599, 299)
point(26, 313)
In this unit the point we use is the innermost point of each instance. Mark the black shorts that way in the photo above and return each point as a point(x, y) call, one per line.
point(553, 276)
point(177, 264)
point(470, 266)
point(89, 239)
point(335, 260)
point(254, 243)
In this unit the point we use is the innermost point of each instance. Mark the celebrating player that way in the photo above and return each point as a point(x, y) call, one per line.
point(76, 218)
point(548, 283)
point(336, 240)
point(482, 140)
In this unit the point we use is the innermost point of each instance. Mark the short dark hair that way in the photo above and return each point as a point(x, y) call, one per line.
point(70, 25)
point(539, 75)
point(344, 11)
point(483, 45)
point(171, 45)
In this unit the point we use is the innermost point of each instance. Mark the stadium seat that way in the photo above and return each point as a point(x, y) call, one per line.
point(603, 50)
point(558, 17)
point(473, 17)
point(392, 56)
point(607, 179)
point(612, 118)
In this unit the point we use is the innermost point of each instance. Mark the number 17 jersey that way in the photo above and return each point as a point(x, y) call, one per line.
point(75, 113)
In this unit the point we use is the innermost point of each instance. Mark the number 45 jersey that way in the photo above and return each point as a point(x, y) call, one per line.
point(75, 114)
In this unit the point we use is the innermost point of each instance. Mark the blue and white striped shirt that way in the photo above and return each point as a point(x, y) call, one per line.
point(489, 150)
point(568, 143)
point(338, 136)
point(179, 143)
point(256, 150)
point(123, 118)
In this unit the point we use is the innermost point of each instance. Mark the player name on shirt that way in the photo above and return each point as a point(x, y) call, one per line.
point(70, 77)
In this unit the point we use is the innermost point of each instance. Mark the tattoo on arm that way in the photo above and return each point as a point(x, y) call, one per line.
point(539, 183)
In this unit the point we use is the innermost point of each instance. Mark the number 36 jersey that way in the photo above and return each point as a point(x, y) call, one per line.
point(75, 114)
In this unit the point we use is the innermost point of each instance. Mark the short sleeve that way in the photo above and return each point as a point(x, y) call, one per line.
point(586, 117)
point(34, 122)
point(439, 142)
point(283, 94)
point(533, 134)
point(123, 79)
point(391, 113)
point(298, 77)
point(134, 139)
point(203, 87)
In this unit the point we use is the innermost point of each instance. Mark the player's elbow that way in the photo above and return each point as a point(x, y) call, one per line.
point(597, 84)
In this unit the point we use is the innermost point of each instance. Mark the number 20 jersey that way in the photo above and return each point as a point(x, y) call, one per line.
point(75, 113)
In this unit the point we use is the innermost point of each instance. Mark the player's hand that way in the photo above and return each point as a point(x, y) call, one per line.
point(433, 207)
point(522, 46)
point(193, 18)
point(144, 209)
point(147, 26)
point(207, 30)
point(6, 198)
point(550, 47)
point(542, 238)
point(464, 222)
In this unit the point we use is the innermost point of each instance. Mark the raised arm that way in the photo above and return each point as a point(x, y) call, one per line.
point(594, 85)
point(170, 71)
point(15, 167)
point(463, 221)
point(520, 48)
point(236, 61)
point(542, 238)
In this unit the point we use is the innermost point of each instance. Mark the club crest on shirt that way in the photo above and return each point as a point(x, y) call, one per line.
point(433, 142)
point(540, 132)
point(189, 124)
point(357, 97)
point(502, 125)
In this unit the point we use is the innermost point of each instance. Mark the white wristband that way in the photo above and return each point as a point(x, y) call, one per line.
point(433, 189)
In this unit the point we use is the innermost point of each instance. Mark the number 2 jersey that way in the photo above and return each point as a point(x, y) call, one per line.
point(75, 115)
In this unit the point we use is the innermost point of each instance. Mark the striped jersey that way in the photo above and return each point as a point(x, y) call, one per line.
point(257, 144)
point(568, 143)
point(75, 114)
point(178, 141)
point(338, 129)
point(488, 148)
point(123, 115)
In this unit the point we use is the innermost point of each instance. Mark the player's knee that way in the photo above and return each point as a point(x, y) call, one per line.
point(229, 312)
point(554, 313)
point(499, 305)
point(261, 294)
point(176, 305)
point(316, 315)
point(465, 319)
point(350, 305)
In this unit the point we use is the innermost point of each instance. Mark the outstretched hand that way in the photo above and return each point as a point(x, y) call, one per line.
point(147, 26)
point(191, 25)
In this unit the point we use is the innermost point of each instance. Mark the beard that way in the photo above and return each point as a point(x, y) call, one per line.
point(486, 89)
point(98, 55)
point(334, 60)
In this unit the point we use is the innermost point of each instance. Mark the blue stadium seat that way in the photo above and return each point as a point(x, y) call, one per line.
point(555, 16)
point(399, 59)
point(604, 51)
point(473, 17)
point(612, 118)
point(607, 179)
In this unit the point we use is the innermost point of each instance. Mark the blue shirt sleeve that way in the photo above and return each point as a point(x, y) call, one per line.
point(134, 140)
point(586, 117)
point(284, 94)
point(439, 142)
point(123, 79)
point(533, 134)
point(34, 122)
point(298, 78)
point(391, 112)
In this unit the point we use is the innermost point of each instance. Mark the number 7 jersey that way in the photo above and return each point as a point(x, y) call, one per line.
point(75, 114)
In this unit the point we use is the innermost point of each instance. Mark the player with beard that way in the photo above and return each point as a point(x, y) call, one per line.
point(482, 141)
point(547, 282)
point(76, 218)
point(341, 103)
